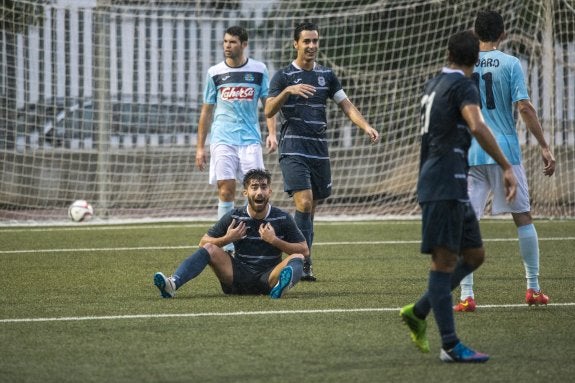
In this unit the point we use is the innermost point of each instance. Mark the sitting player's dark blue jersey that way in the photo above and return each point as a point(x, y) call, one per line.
point(303, 120)
point(253, 250)
point(445, 137)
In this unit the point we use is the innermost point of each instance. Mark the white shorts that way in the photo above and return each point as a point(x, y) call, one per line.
point(228, 162)
point(484, 179)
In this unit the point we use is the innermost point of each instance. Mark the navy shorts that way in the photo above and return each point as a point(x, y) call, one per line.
point(247, 280)
point(451, 224)
point(302, 173)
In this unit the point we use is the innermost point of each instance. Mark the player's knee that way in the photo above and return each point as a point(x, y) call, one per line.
point(474, 257)
point(227, 190)
point(522, 219)
point(211, 248)
point(296, 256)
point(304, 206)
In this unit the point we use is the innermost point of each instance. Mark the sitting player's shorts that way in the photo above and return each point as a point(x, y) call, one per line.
point(228, 162)
point(247, 281)
point(451, 224)
point(302, 173)
point(484, 179)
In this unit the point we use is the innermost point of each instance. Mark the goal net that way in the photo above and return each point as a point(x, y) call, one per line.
point(100, 99)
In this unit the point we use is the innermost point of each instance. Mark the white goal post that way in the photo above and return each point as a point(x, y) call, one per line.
point(100, 100)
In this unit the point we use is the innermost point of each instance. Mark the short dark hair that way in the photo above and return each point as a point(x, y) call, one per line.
point(305, 26)
point(238, 32)
point(463, 48)
point(256, 174)
point(489, 25)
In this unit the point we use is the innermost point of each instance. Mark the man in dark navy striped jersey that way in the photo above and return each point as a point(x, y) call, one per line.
point(300, 92)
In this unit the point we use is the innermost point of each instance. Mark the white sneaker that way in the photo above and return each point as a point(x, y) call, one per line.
point(166, 285)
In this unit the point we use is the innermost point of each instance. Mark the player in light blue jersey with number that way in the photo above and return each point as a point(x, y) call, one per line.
point(501, 83)
point(231, 95)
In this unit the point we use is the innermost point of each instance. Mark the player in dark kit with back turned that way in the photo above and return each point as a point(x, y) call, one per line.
point(450, 114)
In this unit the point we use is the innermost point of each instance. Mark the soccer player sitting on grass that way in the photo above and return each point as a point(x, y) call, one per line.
point(260, 234)
point(450, 115)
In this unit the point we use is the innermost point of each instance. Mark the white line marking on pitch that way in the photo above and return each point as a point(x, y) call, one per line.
point(239, 313)
point(184, 247)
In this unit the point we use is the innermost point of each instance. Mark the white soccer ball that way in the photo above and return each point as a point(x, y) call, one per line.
point(80, 211)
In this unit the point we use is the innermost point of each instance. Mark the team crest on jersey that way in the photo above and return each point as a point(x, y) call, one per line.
point(249, 77)
point(321, 81)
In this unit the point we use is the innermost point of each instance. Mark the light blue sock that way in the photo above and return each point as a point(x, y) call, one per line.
point(467, 287)
point(223, 208)
point(529, 250)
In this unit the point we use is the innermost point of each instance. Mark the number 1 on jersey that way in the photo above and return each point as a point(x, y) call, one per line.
point(487, 77)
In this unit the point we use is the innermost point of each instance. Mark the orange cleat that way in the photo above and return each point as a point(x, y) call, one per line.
point(467, 305)
point(536, 298)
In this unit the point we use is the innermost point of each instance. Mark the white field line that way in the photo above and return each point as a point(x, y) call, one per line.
point(184, 247)
point(241, 313)
point(206, 223)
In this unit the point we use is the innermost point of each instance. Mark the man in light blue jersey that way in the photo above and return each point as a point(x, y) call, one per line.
point(501, 83)
point(300, 91)
point(231, 94)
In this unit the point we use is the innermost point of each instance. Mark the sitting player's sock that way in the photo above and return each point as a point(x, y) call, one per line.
point(191, 267)
point(297, 267)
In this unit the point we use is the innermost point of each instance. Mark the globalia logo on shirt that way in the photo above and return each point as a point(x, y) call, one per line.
point(237, 93)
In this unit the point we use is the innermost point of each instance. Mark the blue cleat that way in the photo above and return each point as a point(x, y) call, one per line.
point(284, 283)
point(462, 354)
point(166, 285)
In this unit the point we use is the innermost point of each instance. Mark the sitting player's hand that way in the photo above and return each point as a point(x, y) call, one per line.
point(236, 232)
point(267, 232)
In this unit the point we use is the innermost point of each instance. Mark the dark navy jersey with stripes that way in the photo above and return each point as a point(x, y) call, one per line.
point(445, 137)
point(303, 120)
point(253, 250)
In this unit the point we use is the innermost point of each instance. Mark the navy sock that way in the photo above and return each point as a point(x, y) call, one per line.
point(423, 307)
point(191, 267)
point(297, 268)
point(440, 298)
point(305, 224)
